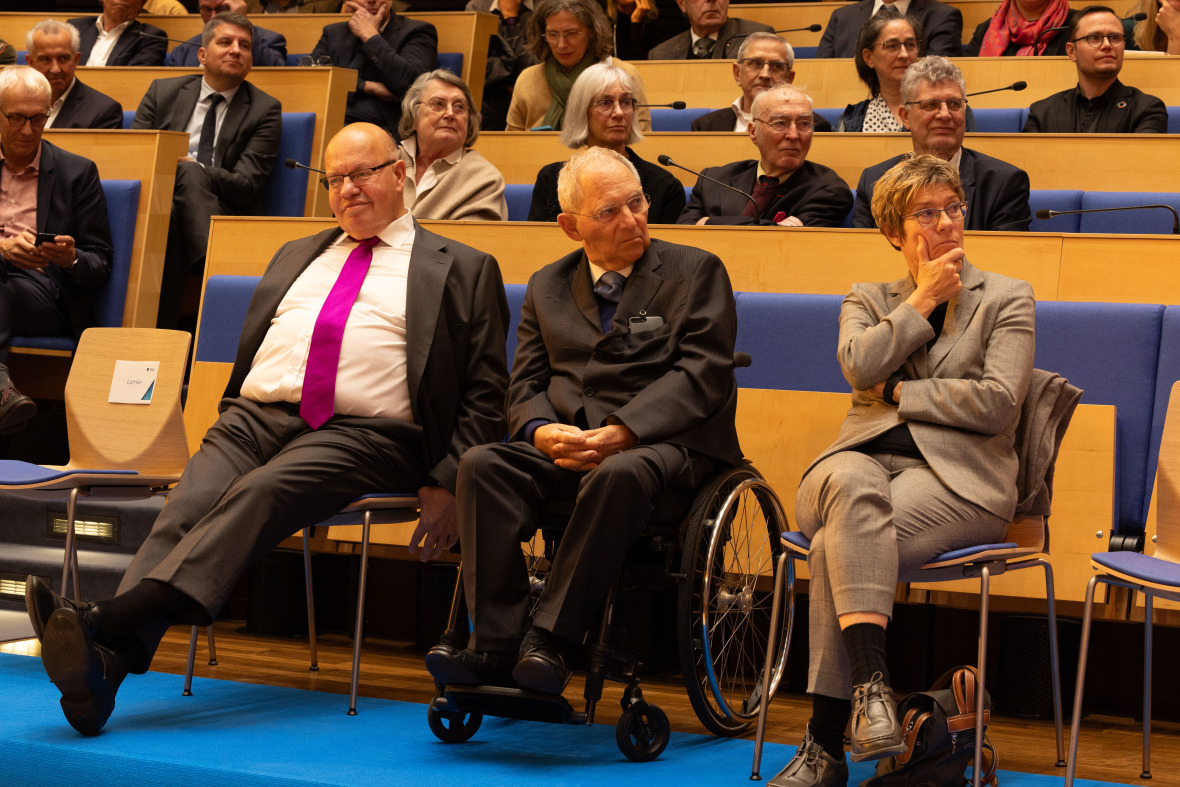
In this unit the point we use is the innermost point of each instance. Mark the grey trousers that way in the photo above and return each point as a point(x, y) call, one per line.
point(871, 519)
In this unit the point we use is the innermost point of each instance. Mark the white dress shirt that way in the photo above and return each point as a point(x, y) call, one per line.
point(56, 106)
point(105, 43)
point(743, 118)
point(197, 122)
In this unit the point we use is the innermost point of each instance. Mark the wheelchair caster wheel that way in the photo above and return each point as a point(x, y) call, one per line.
point(643, 736)
point(452, 726)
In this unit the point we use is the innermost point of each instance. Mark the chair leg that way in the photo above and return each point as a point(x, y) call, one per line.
point(981, 660)
point(1054, 662)
point(69, 566)
point(311, 630)
point(212, 646)
point(360, 614)
point(188, 669)
point(785, 563)
point(1071, 761)
point(1148, 603)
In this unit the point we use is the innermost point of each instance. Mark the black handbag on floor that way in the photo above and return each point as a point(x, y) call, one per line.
point(939, 728)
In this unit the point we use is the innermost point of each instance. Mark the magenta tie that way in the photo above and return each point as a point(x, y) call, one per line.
point(323, 357)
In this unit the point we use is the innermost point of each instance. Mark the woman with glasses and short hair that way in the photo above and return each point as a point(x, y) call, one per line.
point(567, 37)
point(889, 42)
point(601, 113)
point(939, 362)
point(445, 178)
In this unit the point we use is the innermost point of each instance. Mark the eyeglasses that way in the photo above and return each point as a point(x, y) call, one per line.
point(756, 64)
point(1095, 39)
point(321, 60)
point(16, 120)
point(778, 125)
point(359, 178)
point(932, 105)
point(553, 36)
point(637, 203)
point(605, 106)
point(893, 46)
point(928, 217)
point(438, 107)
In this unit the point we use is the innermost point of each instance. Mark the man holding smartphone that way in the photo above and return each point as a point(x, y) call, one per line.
point(55, 240)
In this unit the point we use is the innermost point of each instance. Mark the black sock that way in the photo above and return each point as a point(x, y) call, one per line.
point(829, 717)
point(146, 602)
point(135, 657)
point(865, 643)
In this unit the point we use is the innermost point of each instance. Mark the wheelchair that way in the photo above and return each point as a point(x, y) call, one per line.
point(722, 556)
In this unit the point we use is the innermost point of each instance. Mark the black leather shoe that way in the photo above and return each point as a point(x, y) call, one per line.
point(875, 731)
point(542, 666)
point(86, 674)
point(15, 409)
point(468, 667)
point(811, 767)
point(41, 602)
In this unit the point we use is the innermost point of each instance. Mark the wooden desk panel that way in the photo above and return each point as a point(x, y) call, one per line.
point(1120, 268)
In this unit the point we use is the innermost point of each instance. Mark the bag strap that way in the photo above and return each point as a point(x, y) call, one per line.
point(912, 725)
point(963, 685)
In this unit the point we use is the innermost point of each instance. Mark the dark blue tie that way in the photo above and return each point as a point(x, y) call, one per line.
point(609, 289)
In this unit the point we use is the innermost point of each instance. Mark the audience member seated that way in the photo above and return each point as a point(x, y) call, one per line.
point(601, 113)
point(7, 53)
point(648, 328)
point(640, 25)
point(445, 178)
point(164, 8)
point(270, 48)
point(925, 462)
point(566, 37)
point(934, 107)
point(116, 38)
point(1023, 27)
point(712, 35)
point(888, 44)
point(508, 56)
point(233, 141)
point(53, 50)
point(1100, 103)
point(763, 59)
point(385, 395)
point(46, 286)
point(943, 25)
point(785, 188)
point(1160, 31)
point(388, 52)
point(294, 7)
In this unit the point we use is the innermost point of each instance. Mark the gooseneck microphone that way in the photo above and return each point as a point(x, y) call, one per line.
point(1017, 86)
point(1139, 17)
point(813, 28)
point(146, 34)
point(293, 164)
point(667, 161)
point(673, 105)
point(1045, 213)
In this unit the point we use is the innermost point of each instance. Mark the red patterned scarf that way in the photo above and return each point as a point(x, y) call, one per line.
point(1009, 27)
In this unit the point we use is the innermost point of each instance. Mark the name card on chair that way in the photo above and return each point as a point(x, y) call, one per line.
point(133, 382)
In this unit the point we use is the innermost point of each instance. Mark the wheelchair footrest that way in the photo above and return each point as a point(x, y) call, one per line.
point(614, 664)
point(510, 704)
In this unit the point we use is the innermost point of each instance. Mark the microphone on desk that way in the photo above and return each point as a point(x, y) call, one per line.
point(667, 161)
point(1139, 17)
point(145, 34)
point(1045, 32)
point(673, 105)
point(1017, 86)
point(293, 164)
point(1045, 213)
point(814, 28)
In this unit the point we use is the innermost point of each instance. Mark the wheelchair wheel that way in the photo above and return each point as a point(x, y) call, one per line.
point(723, 612)
point(643, 737)
point(536, 558)
point(452, 726)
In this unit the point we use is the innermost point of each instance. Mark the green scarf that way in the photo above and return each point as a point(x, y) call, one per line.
point(560, 81)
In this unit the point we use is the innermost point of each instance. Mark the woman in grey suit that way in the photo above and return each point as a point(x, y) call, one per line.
point(939, 363)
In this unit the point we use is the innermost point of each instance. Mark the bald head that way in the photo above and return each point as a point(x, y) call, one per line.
point(367, 152)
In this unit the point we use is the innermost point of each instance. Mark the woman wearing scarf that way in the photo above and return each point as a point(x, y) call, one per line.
point(567, 36)
point(1022, 27)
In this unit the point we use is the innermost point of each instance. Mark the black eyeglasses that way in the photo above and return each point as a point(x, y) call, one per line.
point(1095, 39)
point(17, 120)
point(360, 177)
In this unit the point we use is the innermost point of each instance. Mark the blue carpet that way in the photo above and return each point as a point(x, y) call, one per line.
point(240, 734)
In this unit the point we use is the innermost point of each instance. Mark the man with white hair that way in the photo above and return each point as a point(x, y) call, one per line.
point(54, 50)
point(55, 241)
point(781, 186)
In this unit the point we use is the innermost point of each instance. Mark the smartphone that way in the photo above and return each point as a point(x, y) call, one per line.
point(45, 237)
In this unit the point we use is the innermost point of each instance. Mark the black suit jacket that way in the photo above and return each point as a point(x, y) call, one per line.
point(247, 144)
point(725, 118)
point(70, 202)
point(395, 58)
point(671, 384)
point(1128, 110)
point(131, 49)
point(943, 23)
point(85, 107)
point(667, 195)
point(456, 329)
point(996, 193)
point(813, 193)
point(270, 49)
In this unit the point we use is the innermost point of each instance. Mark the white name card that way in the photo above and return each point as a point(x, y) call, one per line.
point(134, 382)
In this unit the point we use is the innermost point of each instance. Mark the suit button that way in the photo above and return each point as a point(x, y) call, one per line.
point(588, 391)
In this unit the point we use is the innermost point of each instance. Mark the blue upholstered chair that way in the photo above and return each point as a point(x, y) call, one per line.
point(1174, 120)
point(285, 194)
point(1158, 221)
point(451, 61)
point(830, 114)
point(668, 119)
point(1055, 199)
point(519, 197)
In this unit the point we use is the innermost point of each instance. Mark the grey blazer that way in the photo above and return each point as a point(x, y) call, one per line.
point(963, 397)
point(679, 47)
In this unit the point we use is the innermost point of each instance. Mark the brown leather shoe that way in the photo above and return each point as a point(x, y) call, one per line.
point(15, 409)
point(812, 767)
point(875, 731)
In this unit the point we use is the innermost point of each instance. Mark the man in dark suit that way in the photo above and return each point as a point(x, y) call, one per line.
point(943, 24)
point(413, 378)
point(622, 387)
point(996, 192)
point(53, 50)
point(234, 133)
point(270, 48)
point(116, 38)
point(712, 35)
point(388, 52)
point(784, 187)
point(46, 286)
point(1100, 103)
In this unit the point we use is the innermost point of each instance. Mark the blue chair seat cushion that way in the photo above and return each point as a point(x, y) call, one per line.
point(13, 472)
point(795, 541)
point(967, 552)
point(1137, 566)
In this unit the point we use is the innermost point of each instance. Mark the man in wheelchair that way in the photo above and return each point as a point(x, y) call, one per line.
point(622, 385)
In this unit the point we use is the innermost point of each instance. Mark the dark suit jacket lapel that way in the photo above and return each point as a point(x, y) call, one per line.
point(429, 267)
point(642, 285)
point(234, 115)
point(185, 103)
point(125, 42)
point(582, 292)
point(959, 315)
point(745, 175)
point(898, 292)
point(45, 176)
point(967, 177)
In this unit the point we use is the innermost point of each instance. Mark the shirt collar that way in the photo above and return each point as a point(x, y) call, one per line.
point(737, 108)
point(397, 233)
point(410, 145)
point(61, 100)
point(901, 5)
point(34, 167)
point(596, 272)
point(207, 90)
point(116, 30)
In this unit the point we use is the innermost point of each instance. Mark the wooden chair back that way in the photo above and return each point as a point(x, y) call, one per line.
point(1167, 483)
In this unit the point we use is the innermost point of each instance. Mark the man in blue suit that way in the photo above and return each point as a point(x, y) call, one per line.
point(270, 48)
